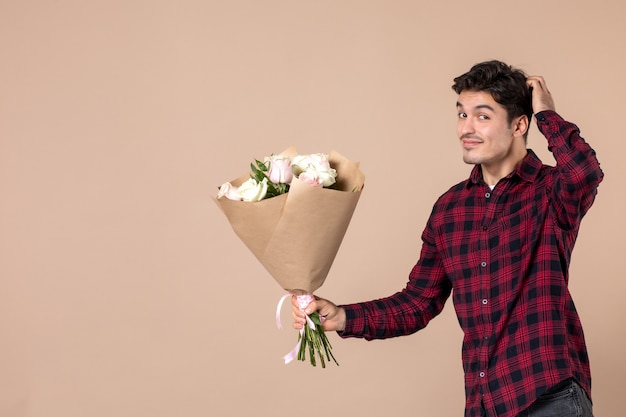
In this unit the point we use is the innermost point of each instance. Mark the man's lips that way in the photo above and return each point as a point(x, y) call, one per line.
point(471, 142)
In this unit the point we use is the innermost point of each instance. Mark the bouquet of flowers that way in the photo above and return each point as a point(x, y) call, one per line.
point(292, 212)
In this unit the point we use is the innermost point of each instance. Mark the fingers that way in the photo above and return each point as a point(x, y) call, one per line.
point(332, 316)
point(299, 315)
point(541, 97)
point(537, 82)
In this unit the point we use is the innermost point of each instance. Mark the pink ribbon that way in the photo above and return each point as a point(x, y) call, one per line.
point(303, 301)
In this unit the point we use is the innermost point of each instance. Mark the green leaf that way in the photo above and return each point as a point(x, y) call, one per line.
point(256, 174)
point(261, 165)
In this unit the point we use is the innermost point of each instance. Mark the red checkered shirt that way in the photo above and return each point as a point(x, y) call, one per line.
point(504, 255)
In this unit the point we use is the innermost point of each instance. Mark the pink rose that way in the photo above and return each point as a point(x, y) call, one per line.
point(227, 190)
point(311, 178)
point(280, 169)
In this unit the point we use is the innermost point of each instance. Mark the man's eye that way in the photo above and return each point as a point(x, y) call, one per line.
point(483, 117)
point(462, 115)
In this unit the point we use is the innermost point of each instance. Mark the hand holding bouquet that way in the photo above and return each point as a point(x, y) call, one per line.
point(292, 212)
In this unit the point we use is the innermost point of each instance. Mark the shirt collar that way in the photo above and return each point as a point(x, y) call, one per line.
point(527, 170)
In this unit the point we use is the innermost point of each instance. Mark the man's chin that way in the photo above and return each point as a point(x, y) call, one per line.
point(471, 161)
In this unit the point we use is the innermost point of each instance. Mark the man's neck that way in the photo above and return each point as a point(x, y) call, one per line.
point(494, 173)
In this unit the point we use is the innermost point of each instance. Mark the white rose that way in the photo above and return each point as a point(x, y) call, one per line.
point(227, 190)
point(314, 163)
point(327, 176)
point(301, 163)
point(320, 160)
point(251, 190)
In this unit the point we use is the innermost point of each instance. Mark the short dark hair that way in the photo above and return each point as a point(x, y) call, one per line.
point(507, 86)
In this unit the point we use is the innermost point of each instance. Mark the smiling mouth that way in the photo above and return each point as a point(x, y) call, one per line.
point(470, 143)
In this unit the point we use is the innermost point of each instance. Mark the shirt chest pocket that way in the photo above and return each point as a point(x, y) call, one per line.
point(515, 230)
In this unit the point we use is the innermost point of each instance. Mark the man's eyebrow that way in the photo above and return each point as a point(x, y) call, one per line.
point(478, 107)
point(485, 106)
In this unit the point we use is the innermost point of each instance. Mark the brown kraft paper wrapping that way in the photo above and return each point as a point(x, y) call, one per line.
point(297, 235)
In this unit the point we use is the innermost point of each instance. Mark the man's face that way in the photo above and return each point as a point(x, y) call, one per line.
point(485, 134)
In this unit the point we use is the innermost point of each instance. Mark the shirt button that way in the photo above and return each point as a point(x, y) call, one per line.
point(483, 264)
point(485, 301)
point(485, 227)
point(482, 374)
point(487, 195)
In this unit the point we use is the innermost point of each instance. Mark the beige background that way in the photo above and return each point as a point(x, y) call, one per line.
point(123, 290)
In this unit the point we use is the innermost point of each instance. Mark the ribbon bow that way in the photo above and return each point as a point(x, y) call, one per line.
point(303, 301)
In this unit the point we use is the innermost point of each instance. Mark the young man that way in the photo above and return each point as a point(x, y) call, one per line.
point(502, 239)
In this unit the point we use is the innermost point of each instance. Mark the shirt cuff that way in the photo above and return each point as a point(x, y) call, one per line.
point(355, 323)
point(551, 124)
point(547, 116)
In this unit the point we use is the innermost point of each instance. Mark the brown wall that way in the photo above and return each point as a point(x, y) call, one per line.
point(123, 290)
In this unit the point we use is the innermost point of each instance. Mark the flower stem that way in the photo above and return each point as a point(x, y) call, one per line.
point(316, 342)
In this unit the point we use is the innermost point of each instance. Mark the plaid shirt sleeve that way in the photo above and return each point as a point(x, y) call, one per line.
point(578, 172)
point(408, 310)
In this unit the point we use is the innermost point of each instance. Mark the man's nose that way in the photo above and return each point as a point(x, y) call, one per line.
point(466, 127)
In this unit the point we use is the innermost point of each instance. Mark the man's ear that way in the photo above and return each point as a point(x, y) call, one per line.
point(520, 126)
